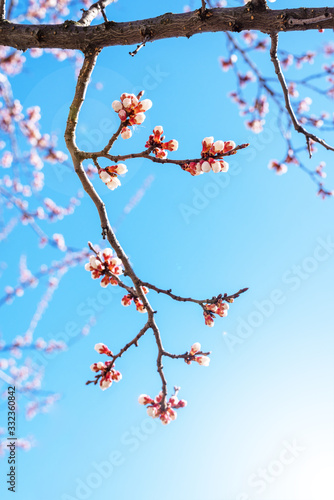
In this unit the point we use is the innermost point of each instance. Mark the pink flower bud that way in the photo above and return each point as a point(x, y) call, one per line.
point(115, 262)
point(102, 349)
point(182, 403)
point(203, 360)
point(224, 166)
point(228, 146)
point(107, 253)
point(218, 146)
point(121, 169)
point(160, 153)
point(206, 167)
point(146, 104)
point(104, 176)
point(165, 418)
point(172, 414)
point(96, 367)
point(126, 133)
point(139, 118)
point(198, 169)
point(158, 398)
point(122, 115)
point(105, 384)
point(116, 375)
point(127, 102)
point(113, 183)
point(117, 106)
point(208, 318)
point(216, 167)
point(144, 399)
point(207, 141)
point(152, 411)
point(172, 145)
point(126, 300)
point(173, 400)
point(158, 130)
point(95, 263)
point(195, 348)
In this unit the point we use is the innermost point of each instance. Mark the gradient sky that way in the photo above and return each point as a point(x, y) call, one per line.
point(259, 421)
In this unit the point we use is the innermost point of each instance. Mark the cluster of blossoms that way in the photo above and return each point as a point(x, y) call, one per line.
point(127, 300)
point(279, 168)
point(211, 152)
point(155, 410)
point(160, 148)
point(131, 110)
point(109, 175)
point(105, 265)
point(106, 374)
point(195, 354)
point(220, 308)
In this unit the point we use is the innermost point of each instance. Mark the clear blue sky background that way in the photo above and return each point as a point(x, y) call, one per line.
point(270, 382)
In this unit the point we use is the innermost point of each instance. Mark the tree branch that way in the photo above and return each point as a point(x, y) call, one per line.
point(297, 126)
point(146, 154)
point(138, 285)
point(79, 35)
point(107, 232)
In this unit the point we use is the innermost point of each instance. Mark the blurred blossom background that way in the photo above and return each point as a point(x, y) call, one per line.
point(259, 420)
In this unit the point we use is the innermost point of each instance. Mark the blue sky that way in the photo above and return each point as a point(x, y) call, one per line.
point(266, 401)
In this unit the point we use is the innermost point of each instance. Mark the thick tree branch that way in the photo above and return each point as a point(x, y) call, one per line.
point(298, 127)
point(78, 35)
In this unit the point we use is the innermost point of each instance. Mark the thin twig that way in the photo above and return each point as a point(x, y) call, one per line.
point(139, 46)
point(187, 356)
point(178, 298)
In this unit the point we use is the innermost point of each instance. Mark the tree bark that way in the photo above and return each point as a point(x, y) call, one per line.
point(73, 35)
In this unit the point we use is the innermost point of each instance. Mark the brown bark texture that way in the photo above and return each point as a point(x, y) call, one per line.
point(75, 35)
